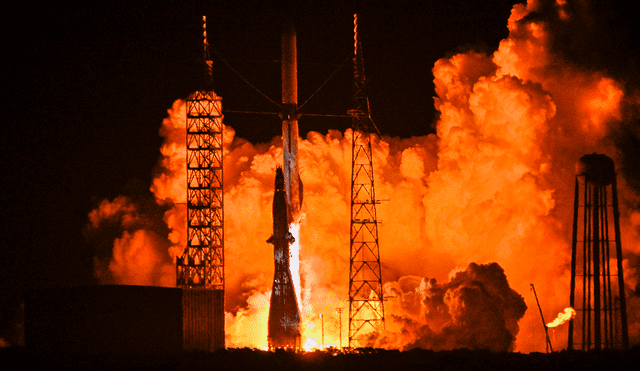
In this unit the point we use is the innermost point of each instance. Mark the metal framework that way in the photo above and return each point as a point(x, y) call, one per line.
point(366, 308)
point(202, 263)
point(200, 269)
point(600, 304)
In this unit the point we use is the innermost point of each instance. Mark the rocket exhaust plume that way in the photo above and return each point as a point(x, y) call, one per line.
point(563, 317)
point(494, 185)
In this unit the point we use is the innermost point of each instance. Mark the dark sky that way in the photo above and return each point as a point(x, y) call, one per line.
point(86, 88)
point(89, 85)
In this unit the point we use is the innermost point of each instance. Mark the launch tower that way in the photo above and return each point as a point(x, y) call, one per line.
point(366, 309)
point(200, 269)
point(596, 257)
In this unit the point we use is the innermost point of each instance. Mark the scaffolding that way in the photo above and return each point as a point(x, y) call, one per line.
point(202, 263)
point(200, 269)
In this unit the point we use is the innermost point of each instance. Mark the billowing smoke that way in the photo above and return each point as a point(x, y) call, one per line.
point(489, 197)
point(476, 309)
point(131, 243)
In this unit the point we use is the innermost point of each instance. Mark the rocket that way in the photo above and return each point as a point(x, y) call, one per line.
point(289, 116)
point(284, 316)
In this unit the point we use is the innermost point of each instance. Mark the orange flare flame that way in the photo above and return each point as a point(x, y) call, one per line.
point(563, 317)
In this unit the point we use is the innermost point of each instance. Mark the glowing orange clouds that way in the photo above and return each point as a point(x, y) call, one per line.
point(494, 186)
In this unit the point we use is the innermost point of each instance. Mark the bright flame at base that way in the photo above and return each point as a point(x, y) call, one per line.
point(294, 262)
point(310, 344)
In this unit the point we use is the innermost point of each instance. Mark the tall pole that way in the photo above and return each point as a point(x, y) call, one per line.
point(340, 325)
point(322, 324)
point(546, 330)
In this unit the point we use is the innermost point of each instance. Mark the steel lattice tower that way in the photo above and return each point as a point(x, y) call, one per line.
point(202, 263)
point(599, 300)
point(200, 269)
point(366, 309)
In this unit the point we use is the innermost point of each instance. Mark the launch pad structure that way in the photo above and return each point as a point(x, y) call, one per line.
point(366, 302)
point(200, 269)
point(596, 259)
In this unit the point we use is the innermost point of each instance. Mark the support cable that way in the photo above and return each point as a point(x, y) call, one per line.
point(243, 79)
point(324, 83)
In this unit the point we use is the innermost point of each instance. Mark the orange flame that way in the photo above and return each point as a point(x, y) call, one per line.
point(563, 317)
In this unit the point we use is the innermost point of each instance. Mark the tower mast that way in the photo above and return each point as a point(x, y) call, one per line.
point(366, 309)
point(200, 269)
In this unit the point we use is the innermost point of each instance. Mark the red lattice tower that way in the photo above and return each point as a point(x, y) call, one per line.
point(202, 263)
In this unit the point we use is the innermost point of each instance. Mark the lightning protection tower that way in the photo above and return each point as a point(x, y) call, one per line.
point(596, 257)
point(200, 269)
point(366, 309)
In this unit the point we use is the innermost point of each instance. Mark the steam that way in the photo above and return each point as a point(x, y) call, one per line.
point(131, 241)
point(476, 309)
point(492, 192)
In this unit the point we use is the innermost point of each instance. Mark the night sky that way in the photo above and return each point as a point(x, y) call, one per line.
point(88, 87)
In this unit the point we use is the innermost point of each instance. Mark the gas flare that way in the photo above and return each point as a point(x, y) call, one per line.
point(563, 317)
point(494, 185)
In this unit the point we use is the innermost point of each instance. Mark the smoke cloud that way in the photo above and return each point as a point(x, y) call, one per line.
point(131, 243)
point(476, 309)
point(489, 197)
